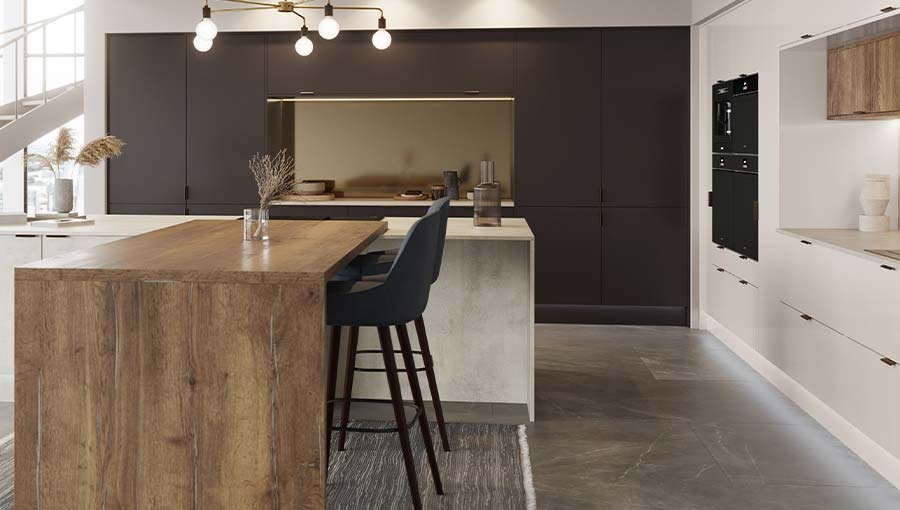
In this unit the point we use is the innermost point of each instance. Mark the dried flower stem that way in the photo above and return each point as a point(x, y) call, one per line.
point(274, 176)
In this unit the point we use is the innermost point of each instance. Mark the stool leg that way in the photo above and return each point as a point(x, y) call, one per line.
point(432, 382)
point(332, 382)
point(348, 384)
point(410, 365)
point(390, 365)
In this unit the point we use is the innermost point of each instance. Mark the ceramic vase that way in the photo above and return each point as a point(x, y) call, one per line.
point(62, 195)
point(875, 195)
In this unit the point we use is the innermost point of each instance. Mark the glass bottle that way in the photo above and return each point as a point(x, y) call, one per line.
point(487, 198)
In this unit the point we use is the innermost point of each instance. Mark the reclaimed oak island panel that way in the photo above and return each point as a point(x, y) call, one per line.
point(182, 368)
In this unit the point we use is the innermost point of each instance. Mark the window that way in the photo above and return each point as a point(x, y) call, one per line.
point(40, 179)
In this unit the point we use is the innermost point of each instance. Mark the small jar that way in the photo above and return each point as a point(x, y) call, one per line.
point(487, 198)
point(438, 191)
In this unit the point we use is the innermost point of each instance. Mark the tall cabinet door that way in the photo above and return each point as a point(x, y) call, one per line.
point(567, 254)
point(745, 130)
point(723, 205)
point(558, 107)
point(146, 98)
point(745, 214)
point(646, 117)
point(226, 118)
point(645, 256)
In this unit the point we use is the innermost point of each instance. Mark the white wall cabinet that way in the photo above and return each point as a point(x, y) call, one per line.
point(60, 244)
point(14, 251)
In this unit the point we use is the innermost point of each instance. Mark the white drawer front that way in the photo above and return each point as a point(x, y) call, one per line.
point(732, 301)
point(739, 265)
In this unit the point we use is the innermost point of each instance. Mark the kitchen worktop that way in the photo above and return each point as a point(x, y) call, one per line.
point(852, 242)
point(107, 225)
point(383, 202)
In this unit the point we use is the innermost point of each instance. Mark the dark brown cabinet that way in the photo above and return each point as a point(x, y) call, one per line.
point(226, 119)
point(567, 254)
point(645, 257)
point(645, 143)
point(146, 98)
point(558, 118)
point(723, 205)
point(746, 215)
point(422, 62)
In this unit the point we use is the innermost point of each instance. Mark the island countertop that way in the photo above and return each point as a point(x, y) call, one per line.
point(214, 251)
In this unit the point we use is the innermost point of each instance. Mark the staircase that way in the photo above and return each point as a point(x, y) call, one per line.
point(25, 118)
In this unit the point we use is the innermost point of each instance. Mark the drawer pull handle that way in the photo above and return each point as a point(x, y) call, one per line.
point(804, 241)
point(744, 257)
point(744, 282)
point(26, 235)
point(55, 236)
point(889, 362)
point(806, 317)
point(719, 269)
point(720, 247)
point(889, 268)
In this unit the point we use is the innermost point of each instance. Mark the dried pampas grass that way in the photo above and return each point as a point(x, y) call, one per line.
point(274, 176)
point(102, 148)
point(63, 151)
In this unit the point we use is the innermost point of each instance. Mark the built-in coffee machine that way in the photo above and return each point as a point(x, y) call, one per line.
point(735, 194)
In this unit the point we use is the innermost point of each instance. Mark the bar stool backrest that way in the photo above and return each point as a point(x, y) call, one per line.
point(409, 280)
point(443, 207)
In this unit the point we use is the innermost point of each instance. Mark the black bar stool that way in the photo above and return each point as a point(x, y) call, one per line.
point(372, 267)
point(394, 300)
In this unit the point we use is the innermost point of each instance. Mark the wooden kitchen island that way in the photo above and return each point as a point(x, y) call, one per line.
point(183, 368)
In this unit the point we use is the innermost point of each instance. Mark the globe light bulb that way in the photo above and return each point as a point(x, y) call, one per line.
point(202, 45)
point(381, 39)
point(207, 29)
point(304, 46)
point(329, 28)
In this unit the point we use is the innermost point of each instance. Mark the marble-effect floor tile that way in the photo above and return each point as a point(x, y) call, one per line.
point(660, 418)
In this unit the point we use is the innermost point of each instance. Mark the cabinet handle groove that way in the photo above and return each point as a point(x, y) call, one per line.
point(26, 235)
point(472, 92)
point(889, 9)
point(889, 362)
point(859, 112)
point(804, 241)
point(57, 236)
point(889, 268)
point(806, 317)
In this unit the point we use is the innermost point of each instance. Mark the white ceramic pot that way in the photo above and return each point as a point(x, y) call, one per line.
point(875, 195)
point(62, 195)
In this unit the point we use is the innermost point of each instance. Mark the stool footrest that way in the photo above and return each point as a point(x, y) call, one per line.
point(369, 430)
point(400, 369)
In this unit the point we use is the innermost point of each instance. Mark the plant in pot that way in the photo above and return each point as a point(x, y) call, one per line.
point(62, 153)
point(274, 178)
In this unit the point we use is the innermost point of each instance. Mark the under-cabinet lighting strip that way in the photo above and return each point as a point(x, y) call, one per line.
point(381, 99)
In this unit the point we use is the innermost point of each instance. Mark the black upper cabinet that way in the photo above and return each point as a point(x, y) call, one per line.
point(423, 62)
point(646, 117)
point(745, 129)
point(558, 112)
point(226, 119)
point(645, 256)
point(146, 97)
point(567, 254)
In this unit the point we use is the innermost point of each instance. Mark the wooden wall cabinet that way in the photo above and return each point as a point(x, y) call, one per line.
point(864, 79)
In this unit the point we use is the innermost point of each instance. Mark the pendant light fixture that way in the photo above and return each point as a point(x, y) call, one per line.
point(328, 27)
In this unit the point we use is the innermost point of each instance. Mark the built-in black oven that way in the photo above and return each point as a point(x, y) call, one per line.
point(735, 181)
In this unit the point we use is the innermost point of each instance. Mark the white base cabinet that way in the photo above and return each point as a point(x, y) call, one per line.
point(59, 244)
point(733, 302)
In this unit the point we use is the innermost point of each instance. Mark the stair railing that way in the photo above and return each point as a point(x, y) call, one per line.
point(21, 56)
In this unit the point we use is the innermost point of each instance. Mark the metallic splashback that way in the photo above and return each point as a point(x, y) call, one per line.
point(380, 147)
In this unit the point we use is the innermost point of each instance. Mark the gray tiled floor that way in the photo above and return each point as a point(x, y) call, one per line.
point(635, 418)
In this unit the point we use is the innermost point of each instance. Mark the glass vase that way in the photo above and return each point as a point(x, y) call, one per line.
point(256, 224)
point(487, 198)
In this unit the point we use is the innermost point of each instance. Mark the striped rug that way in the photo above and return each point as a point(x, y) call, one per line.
point(487, 469)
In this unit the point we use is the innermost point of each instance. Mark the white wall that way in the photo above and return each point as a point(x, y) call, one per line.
point(702, 9)
point(110, 16)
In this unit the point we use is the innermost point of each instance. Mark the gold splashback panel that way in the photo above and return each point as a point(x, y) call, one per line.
point(378, 148)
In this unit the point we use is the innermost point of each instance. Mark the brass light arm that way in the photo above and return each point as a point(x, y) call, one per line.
point(321, 8)
point(243, 9)
point(250, 2)
point(301, 16)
